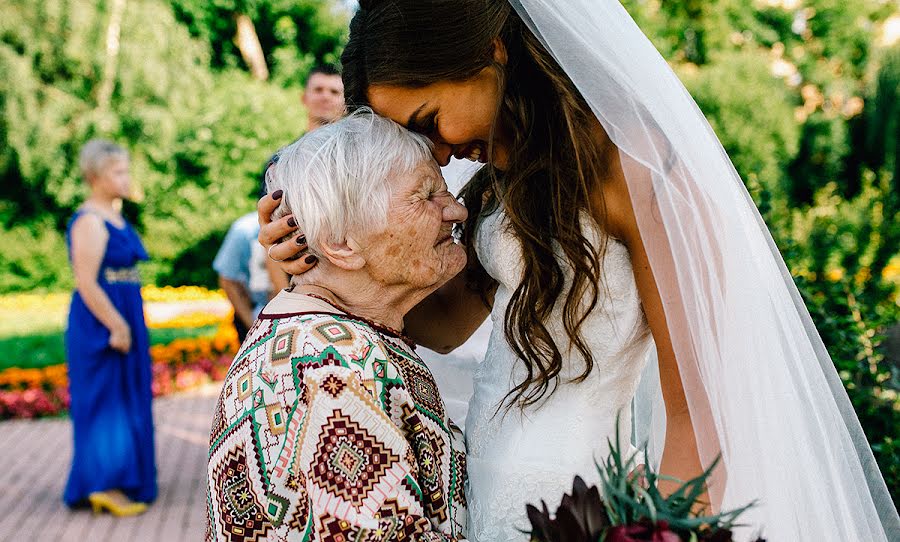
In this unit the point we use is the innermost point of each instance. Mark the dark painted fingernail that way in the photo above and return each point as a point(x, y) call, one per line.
point(301, 240)
point(277, 194)
point(311, 259)
point(292, 223)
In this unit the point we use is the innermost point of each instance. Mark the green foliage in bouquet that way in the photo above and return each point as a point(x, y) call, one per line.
point(632, 509)
point(627, 502)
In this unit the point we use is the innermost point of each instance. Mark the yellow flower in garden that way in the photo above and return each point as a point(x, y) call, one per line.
point(180, 293)
point(864, 274)
point(892, 271)
point(177, 345)
point(192, 320)
point(158, 351)
point(26, 302)
point(32, 377)
point(56, 375)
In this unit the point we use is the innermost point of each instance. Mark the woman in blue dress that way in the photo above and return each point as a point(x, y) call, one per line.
point(107, 346)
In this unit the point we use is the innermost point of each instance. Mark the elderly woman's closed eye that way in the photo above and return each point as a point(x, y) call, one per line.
point(328, 421)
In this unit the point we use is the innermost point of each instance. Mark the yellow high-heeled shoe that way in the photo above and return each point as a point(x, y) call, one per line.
point(102, 500)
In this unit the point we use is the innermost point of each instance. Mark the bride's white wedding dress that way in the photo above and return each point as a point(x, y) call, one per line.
point(517, 457)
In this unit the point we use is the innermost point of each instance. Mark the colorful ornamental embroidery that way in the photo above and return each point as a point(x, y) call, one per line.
point(277, 419)
point(349, 460)
point(282, 346)
point(335, 333)
point(240, 512)
point(328, 429)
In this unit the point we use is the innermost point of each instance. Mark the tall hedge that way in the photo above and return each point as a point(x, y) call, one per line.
point(198, 132)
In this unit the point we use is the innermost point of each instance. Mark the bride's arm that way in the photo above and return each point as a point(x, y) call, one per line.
point(448, 317)
point(680, 457)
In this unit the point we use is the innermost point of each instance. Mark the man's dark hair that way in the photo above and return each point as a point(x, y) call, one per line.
point(324, 69)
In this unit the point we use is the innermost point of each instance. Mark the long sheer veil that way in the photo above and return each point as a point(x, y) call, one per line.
point(762, 389)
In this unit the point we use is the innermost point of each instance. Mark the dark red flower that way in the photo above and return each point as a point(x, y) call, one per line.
point(580, 517)
point(644, 531)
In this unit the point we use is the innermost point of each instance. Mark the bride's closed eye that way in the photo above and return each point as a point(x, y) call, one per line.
point(431, 126)
point(427, 126)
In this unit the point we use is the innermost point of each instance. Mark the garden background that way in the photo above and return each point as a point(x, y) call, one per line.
point(804, 95)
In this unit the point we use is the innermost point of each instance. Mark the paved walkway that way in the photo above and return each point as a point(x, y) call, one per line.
point(36, 457)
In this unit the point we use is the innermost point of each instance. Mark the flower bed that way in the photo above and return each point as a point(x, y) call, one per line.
point(180, 365)
point(180, 293)
point(187, 363)
point(190, 320)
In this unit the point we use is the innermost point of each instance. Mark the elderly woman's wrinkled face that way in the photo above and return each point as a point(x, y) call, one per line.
point(416, 247)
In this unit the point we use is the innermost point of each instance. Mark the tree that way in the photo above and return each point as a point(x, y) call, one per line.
point(292, 35)
point(197, 138)
point(113, 35)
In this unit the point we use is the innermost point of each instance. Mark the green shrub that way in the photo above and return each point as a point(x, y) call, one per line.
point(198, 137)
point(751, 112)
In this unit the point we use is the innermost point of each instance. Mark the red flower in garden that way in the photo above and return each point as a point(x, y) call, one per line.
point(62, 395)
point(180, 365)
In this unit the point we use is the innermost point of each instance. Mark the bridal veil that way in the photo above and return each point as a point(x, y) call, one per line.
point(763, 391)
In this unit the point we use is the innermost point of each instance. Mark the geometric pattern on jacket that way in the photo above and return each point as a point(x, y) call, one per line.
point(329, 429)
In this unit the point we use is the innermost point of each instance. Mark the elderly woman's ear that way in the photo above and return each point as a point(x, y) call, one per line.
point(347, 255)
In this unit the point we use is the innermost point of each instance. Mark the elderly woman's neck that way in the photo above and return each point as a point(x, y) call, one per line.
point(358, 294)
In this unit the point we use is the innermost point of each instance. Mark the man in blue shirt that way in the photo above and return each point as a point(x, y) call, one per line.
point(242, 272)
point(245, 274)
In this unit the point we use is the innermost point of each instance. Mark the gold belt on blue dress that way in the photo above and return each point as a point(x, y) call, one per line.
point(122, 275)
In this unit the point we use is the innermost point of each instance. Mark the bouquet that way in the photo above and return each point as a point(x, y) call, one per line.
point(632, 509)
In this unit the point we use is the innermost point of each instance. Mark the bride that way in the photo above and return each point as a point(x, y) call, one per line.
point(623, 265)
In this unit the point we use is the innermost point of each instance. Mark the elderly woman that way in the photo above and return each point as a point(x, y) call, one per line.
point(329, 426)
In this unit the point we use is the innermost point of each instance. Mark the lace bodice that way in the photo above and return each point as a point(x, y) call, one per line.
point(518, 457)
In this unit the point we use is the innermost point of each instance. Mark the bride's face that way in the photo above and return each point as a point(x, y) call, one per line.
point(456, 115)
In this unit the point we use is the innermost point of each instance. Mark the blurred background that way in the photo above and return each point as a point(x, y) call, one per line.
point(803, 94)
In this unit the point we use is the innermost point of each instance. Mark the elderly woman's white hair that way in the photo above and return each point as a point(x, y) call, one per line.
point(336, 179)
point(95, 154)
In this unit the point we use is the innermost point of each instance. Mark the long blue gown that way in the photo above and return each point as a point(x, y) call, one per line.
point(110, 391)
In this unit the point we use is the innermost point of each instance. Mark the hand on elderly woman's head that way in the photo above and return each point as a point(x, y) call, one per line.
point(290, 254)
point(367, 195)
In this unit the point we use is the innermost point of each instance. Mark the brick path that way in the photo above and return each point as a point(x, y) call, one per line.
point(36, 457)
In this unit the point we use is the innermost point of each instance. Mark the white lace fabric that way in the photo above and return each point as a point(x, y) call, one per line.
point(518, 457)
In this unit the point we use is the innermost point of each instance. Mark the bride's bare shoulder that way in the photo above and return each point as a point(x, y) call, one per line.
point(612, 204)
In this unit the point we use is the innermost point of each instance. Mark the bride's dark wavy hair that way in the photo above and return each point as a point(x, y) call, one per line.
point(554, 162)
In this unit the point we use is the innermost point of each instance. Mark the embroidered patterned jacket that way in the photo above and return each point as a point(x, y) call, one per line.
point(330, 429)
